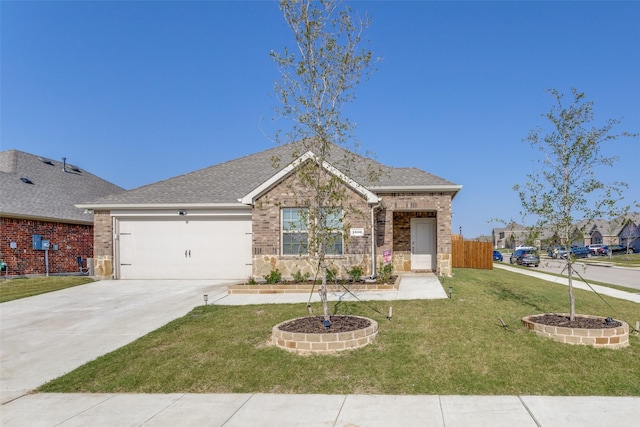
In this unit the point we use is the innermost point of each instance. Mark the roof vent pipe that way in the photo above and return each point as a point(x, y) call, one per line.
point(64, 164)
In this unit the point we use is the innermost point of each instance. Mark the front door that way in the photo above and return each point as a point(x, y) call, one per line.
point(423, 244)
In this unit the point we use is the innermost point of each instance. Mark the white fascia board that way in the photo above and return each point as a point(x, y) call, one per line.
point(240, 211)
point(147, 206)
point(249, 198)
point(417, 188)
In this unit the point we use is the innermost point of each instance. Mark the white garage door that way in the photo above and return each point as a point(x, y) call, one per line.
point(197, 248)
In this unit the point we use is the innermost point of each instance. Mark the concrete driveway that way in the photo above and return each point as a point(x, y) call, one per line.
point(46, 336)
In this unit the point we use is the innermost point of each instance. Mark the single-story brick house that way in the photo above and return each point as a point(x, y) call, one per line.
point(229, 221)
point(37, 207)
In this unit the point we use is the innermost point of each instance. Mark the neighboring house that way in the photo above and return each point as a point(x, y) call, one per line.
point(510, 236)
point(232, 221)
point(616, 231)
point(37, 204)
point(597, 231)
point(629, 235)
point(612, 232)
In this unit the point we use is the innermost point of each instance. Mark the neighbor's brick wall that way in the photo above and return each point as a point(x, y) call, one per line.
point(73, 240)
point(103, 243)
point(266, 233)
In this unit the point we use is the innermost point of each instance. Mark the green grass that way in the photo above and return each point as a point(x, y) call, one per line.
point(621, 260)
point(447, 346)
point(29, 286)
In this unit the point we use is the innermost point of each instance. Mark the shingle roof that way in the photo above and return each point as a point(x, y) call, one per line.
point(226, 182)
point(53, 193)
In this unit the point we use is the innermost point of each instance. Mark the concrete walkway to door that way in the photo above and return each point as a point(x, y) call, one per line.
point(412, 286)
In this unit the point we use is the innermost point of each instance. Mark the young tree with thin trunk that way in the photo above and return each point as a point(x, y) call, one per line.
point(565, 187)
point(318, 78)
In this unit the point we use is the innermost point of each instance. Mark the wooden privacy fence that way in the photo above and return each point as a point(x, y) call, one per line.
point(471, 254)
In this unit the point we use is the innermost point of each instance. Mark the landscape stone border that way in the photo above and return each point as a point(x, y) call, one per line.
point(324, 343)
point(297, 288)
point(612, 338)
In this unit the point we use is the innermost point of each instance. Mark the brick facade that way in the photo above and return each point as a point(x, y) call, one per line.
point(267, 238)
point(72, 240)
point(392, 231)
point(393, 227)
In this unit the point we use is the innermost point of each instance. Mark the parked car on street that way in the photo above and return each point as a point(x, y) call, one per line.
point(596, 248)
point(525, 257)
point(560, 252)
point(497, 256)
point(601, 251)
point(619, 249)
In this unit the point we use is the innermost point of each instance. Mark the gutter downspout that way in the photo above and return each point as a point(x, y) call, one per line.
point(374, 273)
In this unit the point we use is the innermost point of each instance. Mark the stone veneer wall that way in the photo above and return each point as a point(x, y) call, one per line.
point(72, 240)
point(103, 244)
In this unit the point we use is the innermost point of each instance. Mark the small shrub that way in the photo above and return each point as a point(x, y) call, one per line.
point(385, 271)
point(274, 276)
point(299, 277)
point(332, 275)
point(355, 273)
point(251, 281)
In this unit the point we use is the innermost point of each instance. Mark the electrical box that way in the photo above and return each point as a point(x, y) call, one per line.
point(37, 242)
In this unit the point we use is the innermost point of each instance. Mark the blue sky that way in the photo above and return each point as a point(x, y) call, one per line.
point(138, 92)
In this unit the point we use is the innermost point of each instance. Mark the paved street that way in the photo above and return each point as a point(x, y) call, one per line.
point(628, 277)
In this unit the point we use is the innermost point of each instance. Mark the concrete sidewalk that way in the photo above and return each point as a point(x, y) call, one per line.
point(279, 410)
point(577, 284)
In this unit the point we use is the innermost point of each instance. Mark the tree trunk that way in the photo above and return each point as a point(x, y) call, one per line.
point(323, 295)
point(572, 301)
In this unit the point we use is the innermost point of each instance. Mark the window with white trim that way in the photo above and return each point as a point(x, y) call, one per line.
point(333, 224)
point(294, 231)
point(295, 237)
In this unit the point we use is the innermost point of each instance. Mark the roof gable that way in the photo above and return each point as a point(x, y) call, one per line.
point(291, 167)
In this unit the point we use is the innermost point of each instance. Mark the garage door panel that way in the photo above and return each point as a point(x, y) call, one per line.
point(202, 248)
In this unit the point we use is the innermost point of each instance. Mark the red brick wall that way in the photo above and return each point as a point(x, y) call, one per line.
point(73, 240)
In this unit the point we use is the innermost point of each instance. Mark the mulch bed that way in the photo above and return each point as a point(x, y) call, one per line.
point(579, 322)
point(315, 325)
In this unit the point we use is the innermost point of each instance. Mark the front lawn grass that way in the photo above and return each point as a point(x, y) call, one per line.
point(17, 288)
point(455, 346)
